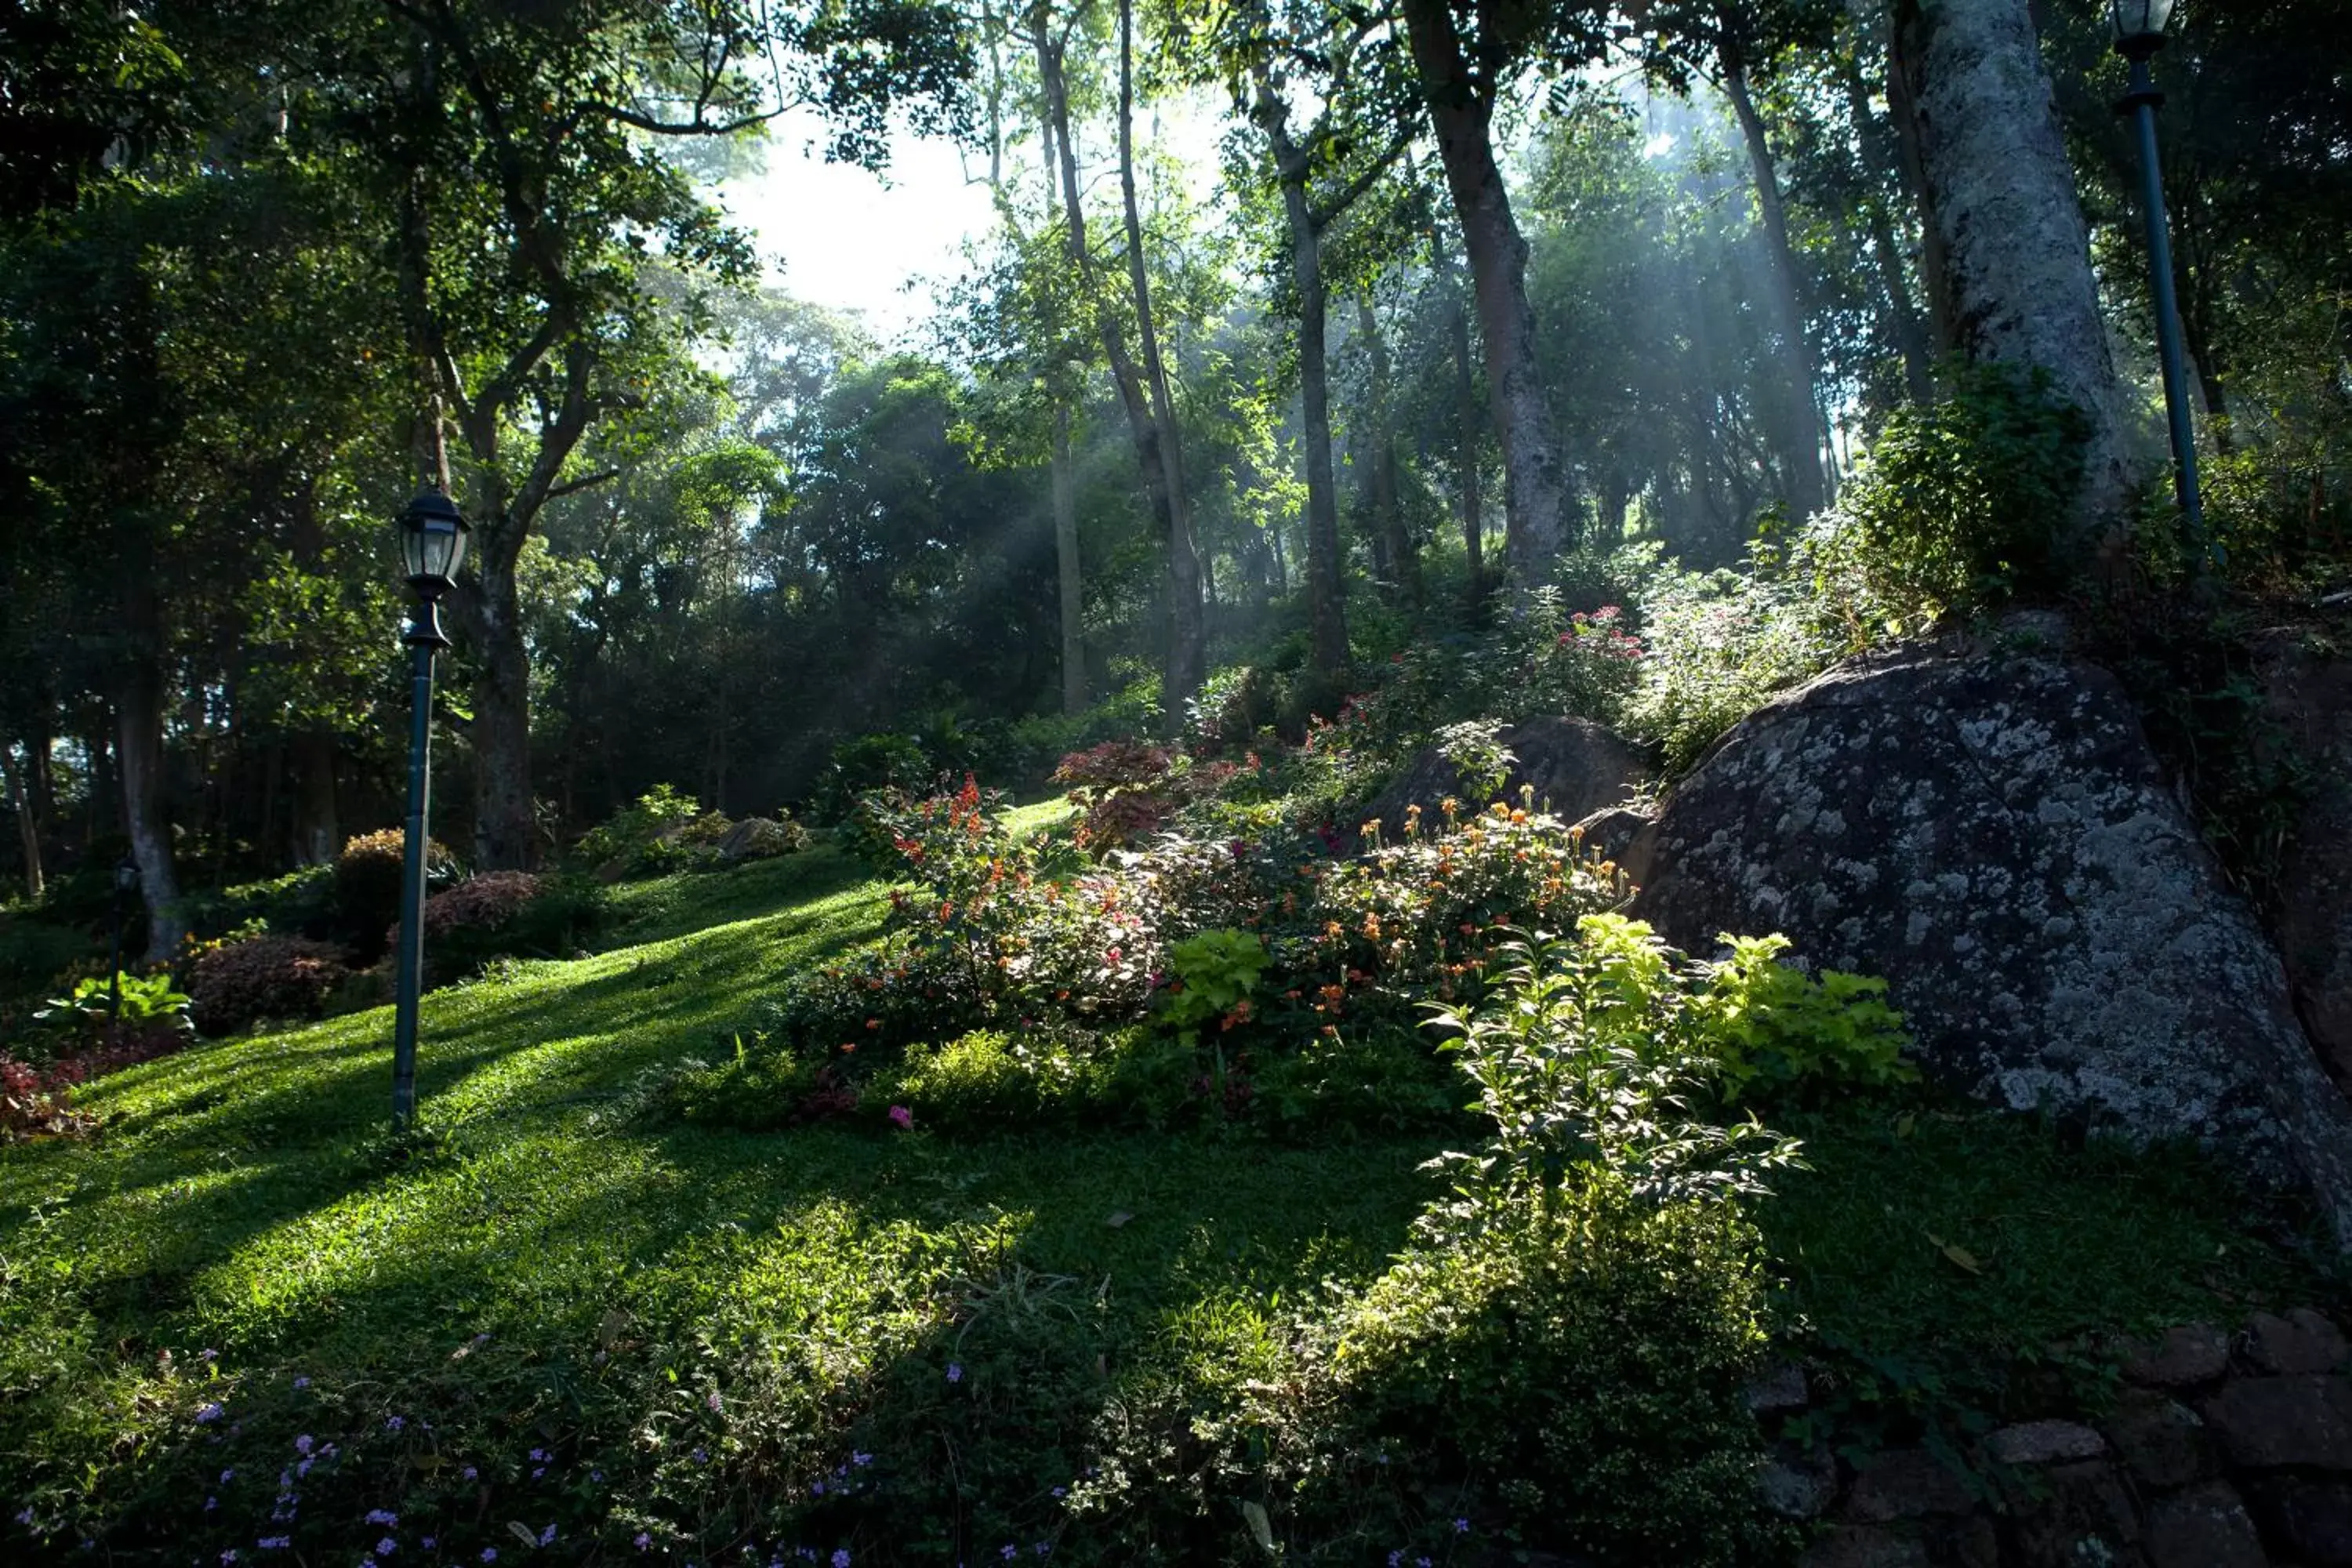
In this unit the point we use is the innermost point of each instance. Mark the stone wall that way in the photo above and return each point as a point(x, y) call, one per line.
point(2222, 1451)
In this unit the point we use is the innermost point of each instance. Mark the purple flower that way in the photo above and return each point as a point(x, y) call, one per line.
point(715, 1402)
point(537, 1471)
point(208, 1355)
point(275, 1542)
point(1461, 1527)
point(367, 1562)
point(211, 1503)
point(489, 1554)
point(955, 1372)
point(1061, 1491)
point(428, 1544)
point(386, 1547)
point(301, 1470)
point(395, 1423)
point(1010, 1551)
point(26, 1518)
point(902, 1117)
point(841, 1557)
point(861, 1458)
point(302, 1382)
point(382, 1516)
point(481, 1338)
point(597, 1477)
point(538, 1456)
point(698, 1456)
point(209, 1412)
point(644, 1540)
point(547, 1536)
point(470, 1473)
point(227, 1476)
point(816, 1488)
point(304, 1444)
point(229, 1556)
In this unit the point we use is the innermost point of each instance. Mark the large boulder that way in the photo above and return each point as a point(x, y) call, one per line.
point(1576, 767)
point(1991, 832)
point(2307, 693)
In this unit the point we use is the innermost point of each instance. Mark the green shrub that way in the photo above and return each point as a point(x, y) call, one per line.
point(1771, 1028)
point(1963, 502)
point(511, 914)
point(641, 839)
point(368, 876)
point(869, 762)
point(1588, 1366)
point(1210, 977)
point(238, 983)
point(306, 902)
point(1718, 646)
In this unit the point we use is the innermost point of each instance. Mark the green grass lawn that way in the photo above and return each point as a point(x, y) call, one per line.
point(678, 1321)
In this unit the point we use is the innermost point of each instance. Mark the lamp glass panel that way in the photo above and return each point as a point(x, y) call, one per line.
point(445, 546)
point(2140, 18)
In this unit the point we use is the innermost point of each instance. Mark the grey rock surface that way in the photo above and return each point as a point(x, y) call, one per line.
point(2204, 1527)
point(1576, 767)
point(1991, 832)
point(2278, 1423)
point(2044, 1443)
point(2308, 695)
point(2186, 1356)
point(2303, 1340)
point(2161, 1441)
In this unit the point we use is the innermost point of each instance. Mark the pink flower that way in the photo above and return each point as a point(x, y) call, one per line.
point(903, 1117)
point(1112, 956)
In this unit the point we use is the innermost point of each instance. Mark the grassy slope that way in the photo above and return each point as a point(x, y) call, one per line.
point(239, 1202)
point(234, 1203)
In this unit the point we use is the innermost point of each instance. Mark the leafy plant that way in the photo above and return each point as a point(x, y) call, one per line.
point(1770, 1026)
point(1964, 500)
point(1482, 763)
point(146, 999)
point(1211, 977)
point(639, 839)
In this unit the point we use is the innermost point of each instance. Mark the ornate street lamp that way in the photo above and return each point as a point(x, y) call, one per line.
point(432, 543)
point(2140, 32)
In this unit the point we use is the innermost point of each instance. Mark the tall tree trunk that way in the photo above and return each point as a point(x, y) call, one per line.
point(1388, 514)
point(1902, 314)
point(2001, 193)
point(1935, 266)
point(1326, 618)
point(505, 830)
point(29, 811)
point(1536, 498)
point(139, 721)
point(1072, 583)
point(1188, 653)
point(1142, 427)
point(1469, 481)
point(1798, 415)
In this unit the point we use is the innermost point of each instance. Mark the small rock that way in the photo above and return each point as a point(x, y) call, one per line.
point(1799, 1482)
point(2074, 1514)
point(2044, 1443)
point(2161, 1441)
point(2205, 1527)
point(1907, 1483)
point(2270, 1423)
point(2301, 1342)
point(1849, 1547)
point(2307, 1519)
point(1782, 1387)
point(2196, 1353)
point(1610, 832)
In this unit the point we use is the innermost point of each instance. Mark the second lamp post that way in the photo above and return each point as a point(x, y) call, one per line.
point(2139, 33)
point(432, 543)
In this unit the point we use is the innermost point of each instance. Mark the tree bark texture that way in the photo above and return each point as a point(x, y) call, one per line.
point(2002, 199)
point(1797, 413)
point(1071, 581)
point(1469, 480)
point(1142, 427)
point(29, 811)
point(139, 743)
point(1388, 514)
point(1885, 159)
point(1188, 651)
point(1326, 618)
point(1536, 496)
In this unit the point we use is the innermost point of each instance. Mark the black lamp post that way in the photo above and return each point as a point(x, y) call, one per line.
point(432, 543)
point(2140, 32)
point(126, 877)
